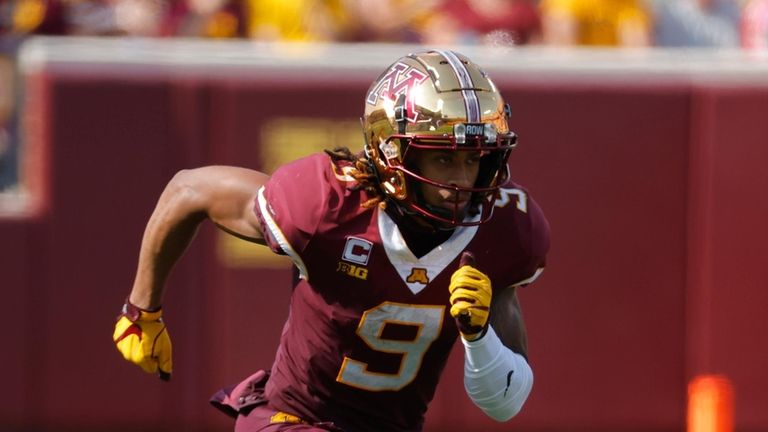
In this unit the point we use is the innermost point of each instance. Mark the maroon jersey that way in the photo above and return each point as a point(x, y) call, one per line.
point(369, 329)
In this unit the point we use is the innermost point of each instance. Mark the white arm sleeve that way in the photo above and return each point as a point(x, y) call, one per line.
point(497, 379)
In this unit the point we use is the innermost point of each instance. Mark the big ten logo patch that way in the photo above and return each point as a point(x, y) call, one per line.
point(352, 270)
point(354, 258)
point(418, 275)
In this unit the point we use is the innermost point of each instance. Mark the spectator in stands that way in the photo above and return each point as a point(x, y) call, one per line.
point(206, 18)
point(36, 17)
point(386, 20)
point(696, 23)
point(91, 18)
point(487, 22)
point(596, 22)
point(6, 17)
point(6, 111)
point(754, 25)
point(139, 17)
point(87, 17)
point(294, 20)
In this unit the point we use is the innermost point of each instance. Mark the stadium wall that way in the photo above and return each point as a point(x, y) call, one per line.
point(649, 166)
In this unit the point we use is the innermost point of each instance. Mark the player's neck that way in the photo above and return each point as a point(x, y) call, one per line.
point(421, 237)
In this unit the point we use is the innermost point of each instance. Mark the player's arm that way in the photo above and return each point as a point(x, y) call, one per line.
point(497, 376)
point(223, 195)
point(507, 320)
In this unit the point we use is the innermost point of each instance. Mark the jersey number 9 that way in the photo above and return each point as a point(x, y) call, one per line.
point(428, 320)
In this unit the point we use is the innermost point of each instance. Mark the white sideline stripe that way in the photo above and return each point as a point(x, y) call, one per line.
point(178, 56)
point(280, 237)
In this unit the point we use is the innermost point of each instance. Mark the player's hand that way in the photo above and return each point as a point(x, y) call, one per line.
point(142, 338)
point(470, 298)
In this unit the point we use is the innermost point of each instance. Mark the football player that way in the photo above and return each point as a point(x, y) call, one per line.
point(416, 242)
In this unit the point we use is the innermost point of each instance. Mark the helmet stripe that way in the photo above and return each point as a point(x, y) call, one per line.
point(467, 87)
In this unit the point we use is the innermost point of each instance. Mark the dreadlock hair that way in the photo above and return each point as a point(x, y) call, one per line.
point(363, 172)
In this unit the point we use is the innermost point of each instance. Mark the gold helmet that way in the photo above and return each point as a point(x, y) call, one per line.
point(437, 100)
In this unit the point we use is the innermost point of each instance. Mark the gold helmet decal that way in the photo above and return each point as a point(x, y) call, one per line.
point(400, 79)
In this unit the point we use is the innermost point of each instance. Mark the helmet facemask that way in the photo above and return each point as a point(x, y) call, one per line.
point(493, 172)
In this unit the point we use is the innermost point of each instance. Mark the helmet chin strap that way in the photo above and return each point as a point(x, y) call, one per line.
point(442, 212)
point(434, 224)
point(470, 210)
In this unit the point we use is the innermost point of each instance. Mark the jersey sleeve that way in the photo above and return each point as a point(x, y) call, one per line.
point(292, 204)
point(536, 244)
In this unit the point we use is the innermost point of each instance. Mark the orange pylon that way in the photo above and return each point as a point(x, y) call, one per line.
point(710, 404)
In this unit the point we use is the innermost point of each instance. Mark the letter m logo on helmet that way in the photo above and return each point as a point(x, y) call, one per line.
point(399, 79)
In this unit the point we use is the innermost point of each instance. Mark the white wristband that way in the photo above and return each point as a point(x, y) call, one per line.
point(497, 379)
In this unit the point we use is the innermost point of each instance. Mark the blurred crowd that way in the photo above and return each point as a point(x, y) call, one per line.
point(667, 23)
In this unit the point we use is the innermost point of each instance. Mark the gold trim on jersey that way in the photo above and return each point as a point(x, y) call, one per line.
point(284, 417)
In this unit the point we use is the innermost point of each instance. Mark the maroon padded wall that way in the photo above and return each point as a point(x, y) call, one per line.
point(16, 258)
point(728, 240)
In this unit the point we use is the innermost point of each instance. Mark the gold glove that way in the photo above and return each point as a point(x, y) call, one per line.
point(470, 298)
point(142, 338)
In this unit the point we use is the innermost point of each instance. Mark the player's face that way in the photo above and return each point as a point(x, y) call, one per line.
point(459, 168)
